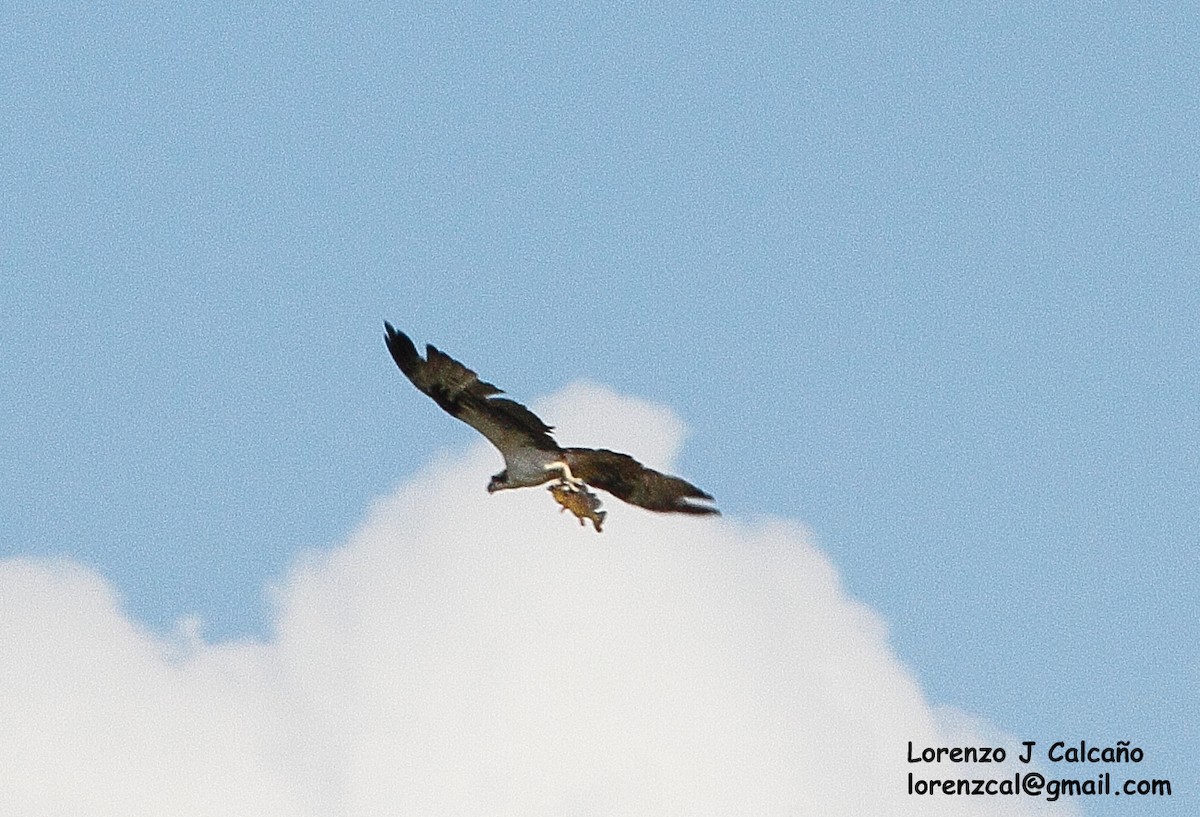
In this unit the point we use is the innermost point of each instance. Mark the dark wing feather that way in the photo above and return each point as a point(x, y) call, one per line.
point(627, 479)
point(460, 392)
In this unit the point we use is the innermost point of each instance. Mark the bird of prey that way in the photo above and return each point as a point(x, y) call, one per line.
point(531, 456)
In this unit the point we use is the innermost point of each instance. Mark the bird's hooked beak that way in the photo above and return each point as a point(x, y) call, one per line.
point(496, 483)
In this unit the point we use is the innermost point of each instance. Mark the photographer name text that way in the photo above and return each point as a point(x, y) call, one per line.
point(1032, 783)
point(1059, 752)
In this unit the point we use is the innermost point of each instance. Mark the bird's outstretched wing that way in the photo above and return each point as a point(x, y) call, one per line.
point(627, 479)
point(506, 423)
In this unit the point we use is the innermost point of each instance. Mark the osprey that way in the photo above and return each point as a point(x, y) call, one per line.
point(531, 456)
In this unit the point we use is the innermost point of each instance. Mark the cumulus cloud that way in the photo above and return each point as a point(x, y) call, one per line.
point(470, 654)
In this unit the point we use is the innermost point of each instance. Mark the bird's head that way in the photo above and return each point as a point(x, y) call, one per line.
point(498, 482)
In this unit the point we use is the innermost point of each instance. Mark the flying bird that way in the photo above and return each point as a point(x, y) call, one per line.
point(531, 456)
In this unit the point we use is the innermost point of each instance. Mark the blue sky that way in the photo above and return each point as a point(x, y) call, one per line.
point(921, 278)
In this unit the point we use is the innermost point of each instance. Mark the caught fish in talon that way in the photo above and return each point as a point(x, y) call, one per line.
point(579, 501)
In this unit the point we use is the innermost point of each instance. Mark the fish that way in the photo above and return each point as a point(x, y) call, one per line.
point(579, 501)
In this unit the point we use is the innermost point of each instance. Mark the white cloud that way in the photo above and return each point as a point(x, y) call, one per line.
point(473, 654)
